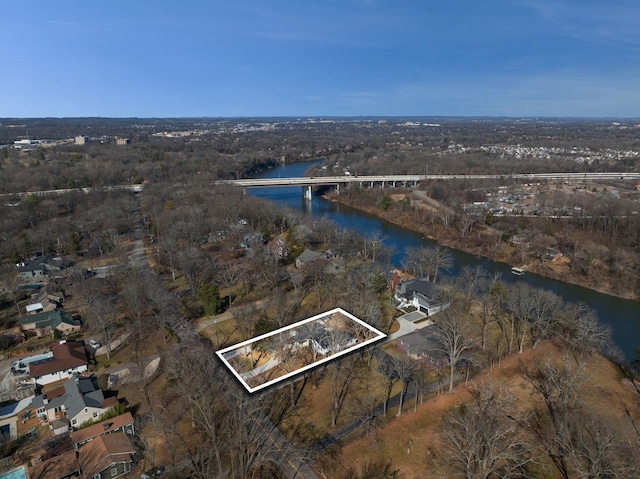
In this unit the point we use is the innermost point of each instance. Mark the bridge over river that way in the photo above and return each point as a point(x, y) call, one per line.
point(411, 180)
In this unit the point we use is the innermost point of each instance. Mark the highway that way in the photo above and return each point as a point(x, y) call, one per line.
point(380, 180)
point(394, 180)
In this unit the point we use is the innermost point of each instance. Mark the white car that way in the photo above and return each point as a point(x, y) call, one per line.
point(94, 344)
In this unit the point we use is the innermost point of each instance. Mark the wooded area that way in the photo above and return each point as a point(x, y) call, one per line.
point(219, 266)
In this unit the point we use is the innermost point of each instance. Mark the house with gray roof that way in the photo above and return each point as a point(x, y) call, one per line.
point(418, 293)
point(422, 346)
point(325, 262)
point(79, 400)
point(37, 268)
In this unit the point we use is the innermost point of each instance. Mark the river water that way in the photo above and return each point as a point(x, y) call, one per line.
point(623, 316)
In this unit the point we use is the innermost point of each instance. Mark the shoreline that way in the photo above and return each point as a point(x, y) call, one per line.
point(534, 267)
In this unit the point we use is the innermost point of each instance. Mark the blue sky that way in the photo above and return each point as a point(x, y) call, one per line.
point(577, 58)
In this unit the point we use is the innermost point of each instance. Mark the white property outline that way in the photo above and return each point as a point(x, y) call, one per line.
point(221, 352)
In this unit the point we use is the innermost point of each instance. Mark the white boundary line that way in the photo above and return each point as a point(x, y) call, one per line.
point(379, 335)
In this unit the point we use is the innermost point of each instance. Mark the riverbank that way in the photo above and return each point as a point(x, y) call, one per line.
point(410, 212)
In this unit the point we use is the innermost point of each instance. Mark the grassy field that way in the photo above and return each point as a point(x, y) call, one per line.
point(412, 441)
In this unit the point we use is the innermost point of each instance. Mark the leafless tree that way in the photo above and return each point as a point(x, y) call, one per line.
point(581, 331)
point(196, 268)
point(343, 372)
point(531, 311)
point(10, 282)
point(558, 385)
point(161, 303)
point(230, 274)
point(440, 259)
point(103, 314)
point(453, 335)
point(491, 299)
point(470, 279)
point(390, 376)
point(480, 442)
point(406, 369)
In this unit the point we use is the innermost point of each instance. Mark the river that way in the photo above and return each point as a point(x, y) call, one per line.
point(623, 316)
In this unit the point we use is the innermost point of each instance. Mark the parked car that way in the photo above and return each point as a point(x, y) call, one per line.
point(112, 380)
point(94, 344)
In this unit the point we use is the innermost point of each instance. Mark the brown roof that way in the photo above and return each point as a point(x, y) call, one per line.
point(56, 467)
point(109, 402)
point(55, 392)
point(101, 428)
point(103, 451)
point(66, 355)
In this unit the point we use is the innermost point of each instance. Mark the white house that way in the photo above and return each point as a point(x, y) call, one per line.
point(69, 358)
point(78, 400)
point(418, 293)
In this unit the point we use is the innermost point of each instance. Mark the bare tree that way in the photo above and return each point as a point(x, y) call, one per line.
point(558, 385)
point(406, 369)
point(390, 376)
point(191, 372)
point(580, 330)
point(104, 313)
point(492, 297)
point(532, 311)
point(479, 441)
point(452, 334)
point(440, 259)
point(10, 282)
point(196, 268)
point(343, 372)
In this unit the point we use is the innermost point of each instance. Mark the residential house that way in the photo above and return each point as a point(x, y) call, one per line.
point(9, 416)
point(45, 300)
point(552, 254)
point(78, 400)
point(251, 240)
point(68, 358)
point(62, 466)
point(418, 293)
point(422, 346)
point(37, 268)
point(121, 423)
point(314, 260)
point(44, 323)
point(325, 341)
point(107, 456)
point(278, 247)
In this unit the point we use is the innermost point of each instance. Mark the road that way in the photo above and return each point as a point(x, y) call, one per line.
point(408, 179)
point(293, 463)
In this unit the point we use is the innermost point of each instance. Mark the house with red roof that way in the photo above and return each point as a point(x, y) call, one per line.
point(69, 358)
point(108, 455)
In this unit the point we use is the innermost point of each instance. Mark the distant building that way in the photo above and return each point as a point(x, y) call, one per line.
point(36, 268)
point(27, 143)
point(123, 141)
point(82, 140)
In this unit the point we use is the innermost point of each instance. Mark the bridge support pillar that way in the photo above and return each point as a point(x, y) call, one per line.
point(306, 192)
